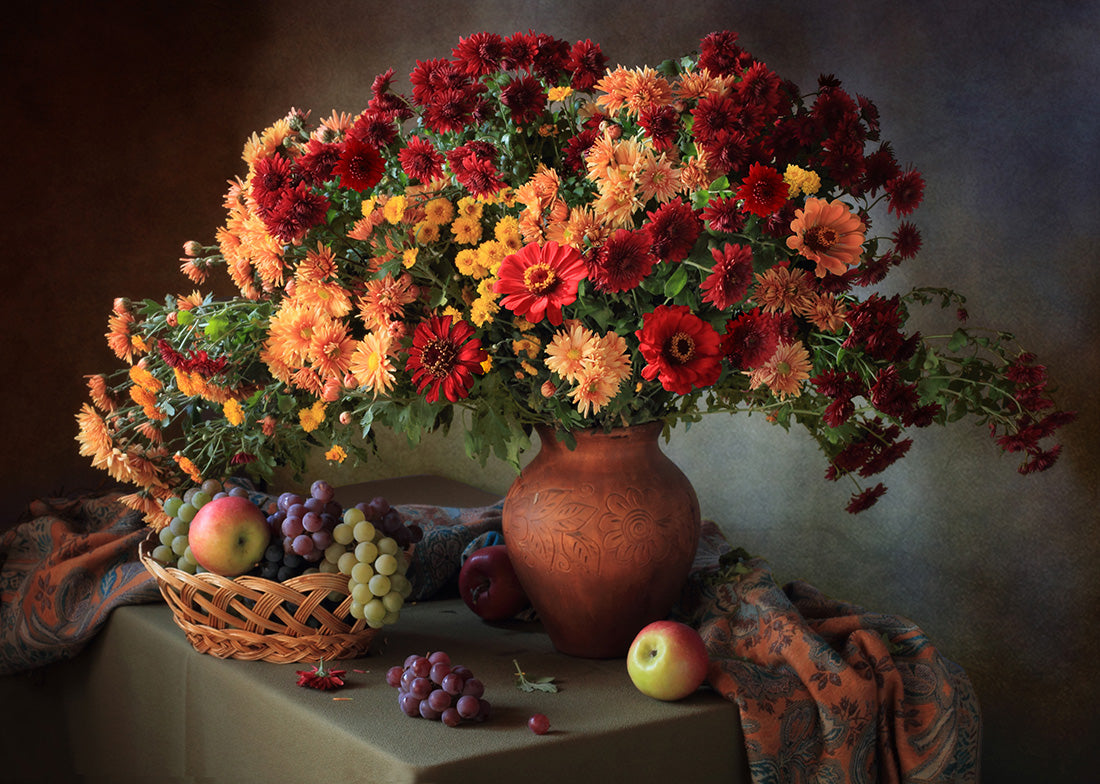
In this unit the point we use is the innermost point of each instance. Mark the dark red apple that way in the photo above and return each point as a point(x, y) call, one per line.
point(489, 586)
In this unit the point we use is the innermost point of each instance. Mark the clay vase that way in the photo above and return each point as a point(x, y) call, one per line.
point(602, 536)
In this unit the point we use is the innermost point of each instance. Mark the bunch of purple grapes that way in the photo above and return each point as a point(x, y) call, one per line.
point(304, 524)
point(430, 687)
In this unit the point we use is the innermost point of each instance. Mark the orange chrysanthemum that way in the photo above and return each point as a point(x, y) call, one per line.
point(829, 234)
point(785, 371)
point(371, 363)
point(781, 289)
point(569, 349)
point(330, 349)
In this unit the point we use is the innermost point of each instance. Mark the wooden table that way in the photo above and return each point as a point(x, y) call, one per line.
point(141, 704)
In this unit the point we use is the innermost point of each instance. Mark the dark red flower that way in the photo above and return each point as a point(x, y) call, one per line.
point(321, 678)
point(586, 63)
point(879, 168)
point(661, 124)
point(316, 164)
point(420, 160)
point(431, 77)
point(538, 281)
point(271, 177)
point(551, 57)
point(875, 327)
point(374, 128)
point(360, 166)
point(518, 51)
point(443, 358)
point(384, 102)
point(450, 110)
point(907, 240)
point(751, 339)
point(759, 94)
point(479, 54)
point(905, 192)
point(577, 146)
point(474, 166)
point(243, 458)
point(764, 191)
point(622, 262)
point(727, 151)
point(298, 210)
point(730, 276)
point(866, 499)
point(524, 98)
point(680, 349)
point(714, 115)
point(673, 229)
point(724, 216)
point(720, 54)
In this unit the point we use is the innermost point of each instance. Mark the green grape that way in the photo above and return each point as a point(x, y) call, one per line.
point(364, 531)
point(393, 601)
point(200, 499)
point(188, 555)
point(212, 487)
point(164, 554)
point(166, 535)
point(346, 563)
point(390, 618)
point(385, 564)
point(187, 511)
point(362, 572)
point(328, 567)
point(179, 526)
point(401, 584)
point(343, 533)
point(179, 545)
point(191, 568)
point(356, 610)
point(388, 545)
point(366, 552)
point(379, 585)
point(353, 515)
point(374, 611)
point(334, 551)
point(360, 592)
point(172, 505)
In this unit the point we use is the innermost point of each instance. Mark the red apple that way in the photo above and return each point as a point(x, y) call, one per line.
point(228, 535)
point(667, 660)
point(489, 586)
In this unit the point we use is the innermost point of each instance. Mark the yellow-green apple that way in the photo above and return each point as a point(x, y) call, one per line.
point(488, 584)
point(667, 660)
point(228, 535)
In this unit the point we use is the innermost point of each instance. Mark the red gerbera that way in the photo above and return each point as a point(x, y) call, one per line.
point(420, 160)
point(360, 166)
point(673, 229)
point(730, 277)
point(764, 191)
point(443, 358)
point(537, 282)
point(680, 349)
point(623, 261)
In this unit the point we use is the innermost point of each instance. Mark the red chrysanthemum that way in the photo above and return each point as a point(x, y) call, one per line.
point(538, 281)
point(524, 98)
point(272, 176)
point(443, 358)
point(673, 229)
point(317, 163)
point(661, 124)
point(622, 262)
point(905, 192)
point(450, 110)
point(551, 57)
point(586, 63)
point(729, 277)
point(723, 215)
point(474, 166)
point(907, 240)
point(479, 54)
point(680, 349)
point(298, 210)
point(321, 677)
point(720, 54)
point(764, 191)
point(384, 103)
point(519, 51)
point(420, 160)
point(864, 500)
point(360, 166)
point(713, 115)
point(375, 128)
point(751, 339)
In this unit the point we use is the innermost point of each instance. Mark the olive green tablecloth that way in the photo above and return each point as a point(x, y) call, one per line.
point(140, 704)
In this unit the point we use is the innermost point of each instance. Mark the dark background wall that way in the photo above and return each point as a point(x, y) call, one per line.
point(124, 121)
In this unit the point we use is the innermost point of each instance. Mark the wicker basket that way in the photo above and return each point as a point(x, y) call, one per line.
point(261, 620)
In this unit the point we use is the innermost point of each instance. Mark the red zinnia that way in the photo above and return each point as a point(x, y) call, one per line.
point(764, 191)
point(680, 349)
point(360, 166)
point(420, 160)
point(730, 277)
point(537, 282)
point(623, 261)
point(443, 358)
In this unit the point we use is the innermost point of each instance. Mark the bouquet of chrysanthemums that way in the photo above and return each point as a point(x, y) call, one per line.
point(529, 236)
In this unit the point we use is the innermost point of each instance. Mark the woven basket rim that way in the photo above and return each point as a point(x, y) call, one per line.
point(242, 610)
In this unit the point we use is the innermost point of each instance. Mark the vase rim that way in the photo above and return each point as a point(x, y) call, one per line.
point(552, 429)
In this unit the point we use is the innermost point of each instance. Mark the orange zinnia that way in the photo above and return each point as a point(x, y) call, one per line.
point(829, 234)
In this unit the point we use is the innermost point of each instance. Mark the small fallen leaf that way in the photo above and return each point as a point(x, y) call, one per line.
point(523, 683)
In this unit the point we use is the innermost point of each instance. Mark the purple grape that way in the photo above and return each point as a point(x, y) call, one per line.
point(302, 545)
point(439, 656)
point(311, 521)
point(393, 676)
point(427, 712)
point(422, 667)
point(472, 687)
point(322, 490)
point(315, 505)
point(287, 500)
point(421, 688)
point(407, 677)
point(439, 700)
point(410, 705)
point(468, 706)
point(453, 684)
point(322, 539)
point(484, 710)
point(292, 527)
point(451, 717)
point(439, 671)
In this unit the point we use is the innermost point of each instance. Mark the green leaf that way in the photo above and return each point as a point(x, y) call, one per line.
point(676, 282)
point(523, 683)
point(958, 339)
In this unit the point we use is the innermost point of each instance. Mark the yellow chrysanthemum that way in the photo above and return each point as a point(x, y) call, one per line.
point(337, 454)
point(233, 412)
point(188, 467)
point(559, 93)
point(144, 379)
point(439, 212)
point(801, 180)
point(466, 230)
point(311, 418)
point(408, 256)
point(394, 209)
